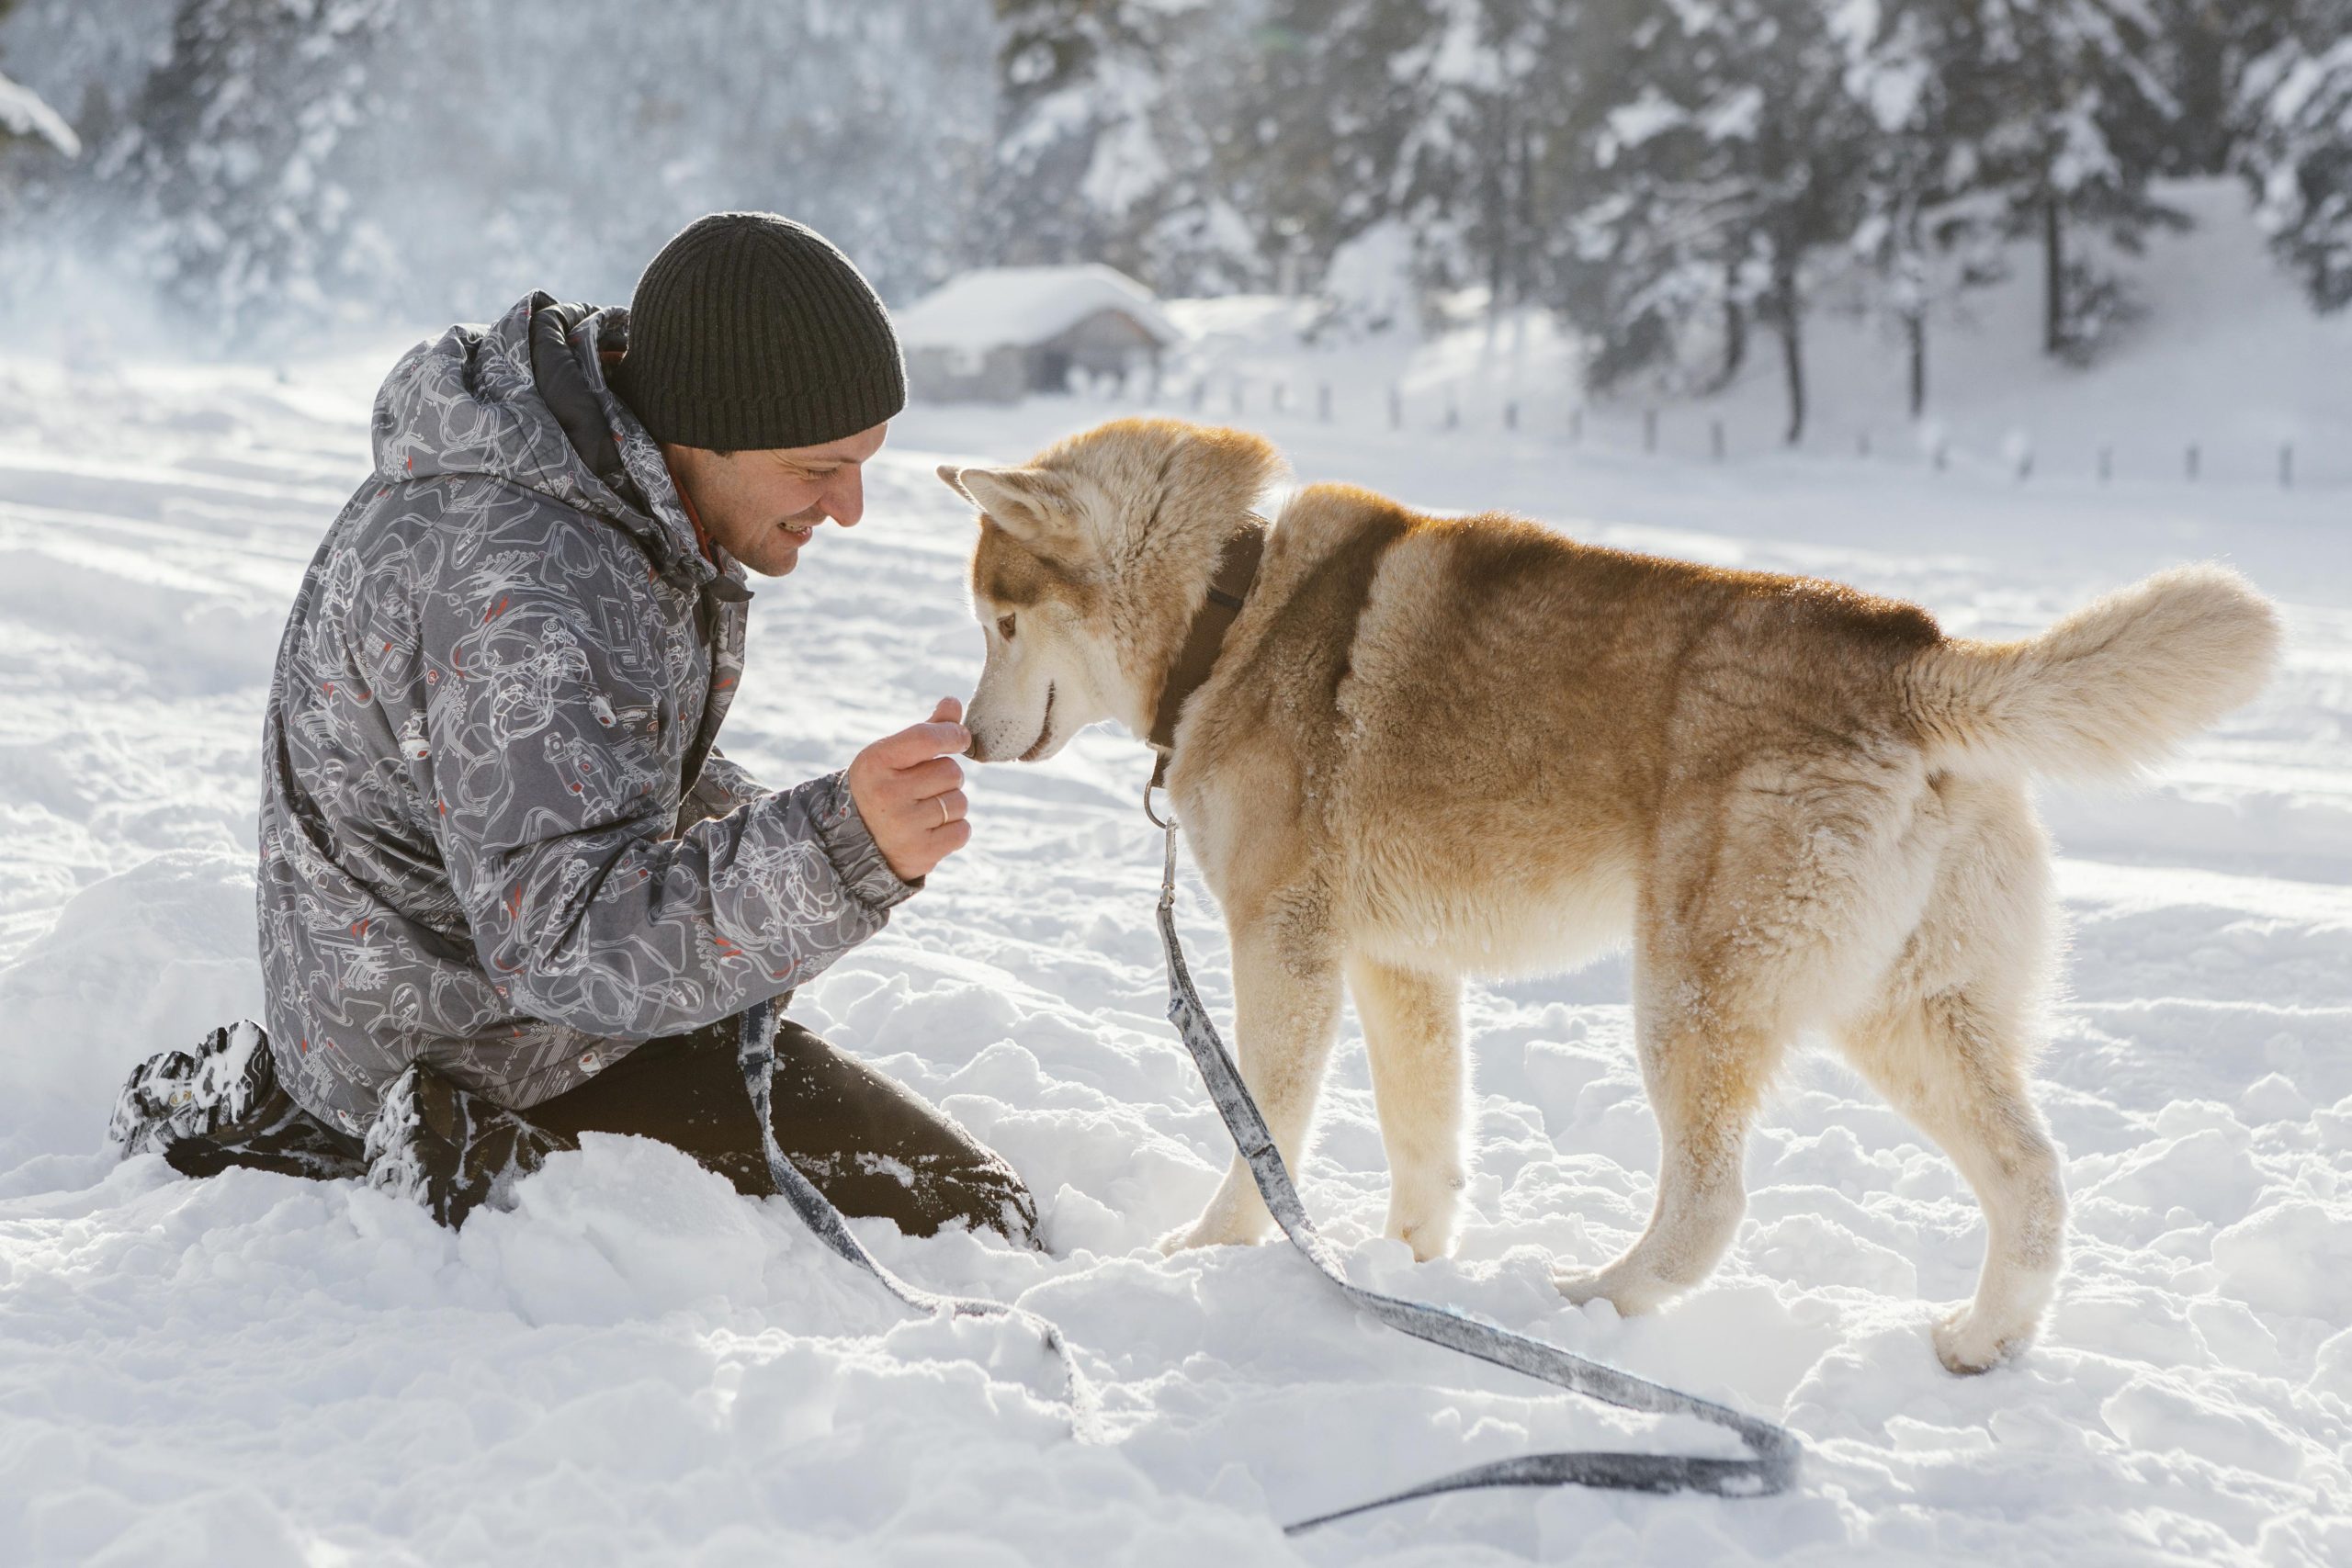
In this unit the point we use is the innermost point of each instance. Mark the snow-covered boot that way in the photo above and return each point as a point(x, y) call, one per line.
point(182, 1094)
point(220, 1105)
point(451, 1150)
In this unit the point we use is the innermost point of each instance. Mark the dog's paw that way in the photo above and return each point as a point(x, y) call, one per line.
point(1966, 1345)
point(1176, 1241)
point(1430, 1240)
point(1426, 1229)
point(1630, 1292)
point(1205, 1232)
point(1424, 1215)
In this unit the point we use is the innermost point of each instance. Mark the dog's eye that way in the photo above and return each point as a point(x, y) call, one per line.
point(1004, 627)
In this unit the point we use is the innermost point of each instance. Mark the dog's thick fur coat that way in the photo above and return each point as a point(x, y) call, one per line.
point(1435, 747)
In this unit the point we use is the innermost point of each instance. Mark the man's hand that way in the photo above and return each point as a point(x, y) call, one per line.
point(911, 792)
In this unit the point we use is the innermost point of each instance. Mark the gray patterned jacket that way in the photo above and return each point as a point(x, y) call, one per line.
point(495, 836)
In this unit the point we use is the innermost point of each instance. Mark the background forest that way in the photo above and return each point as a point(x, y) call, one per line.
point(1683, 182)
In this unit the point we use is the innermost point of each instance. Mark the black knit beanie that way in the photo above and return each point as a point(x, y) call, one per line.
point(751, 331)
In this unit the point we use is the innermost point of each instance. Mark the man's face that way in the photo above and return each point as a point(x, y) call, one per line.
point(762, 507)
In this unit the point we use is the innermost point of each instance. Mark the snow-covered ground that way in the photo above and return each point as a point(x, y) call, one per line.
point(636, 1365)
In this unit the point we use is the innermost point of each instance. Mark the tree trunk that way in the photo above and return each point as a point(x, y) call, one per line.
point(1499, 217)
point(1791, 326)
point(2054, 279)
point(1734, 338)
point(1914, 327)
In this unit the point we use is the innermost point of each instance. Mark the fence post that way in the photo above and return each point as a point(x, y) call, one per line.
point(1649, 430)
point(2192, 462)
point(1453, 412)
point(2105, 464)
point(1941, 454)
point(1200, 394)
point(1511, 413)
point(1862, 444)
point(1715, 438)
point(2287, 464)
point(1323, 401)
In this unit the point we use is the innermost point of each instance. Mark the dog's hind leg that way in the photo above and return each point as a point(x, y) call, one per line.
point(1287, 1014)
point(1412, 1031)
point(1950, 1042)
point(1706, 1069)
point(1944, 1062)
point(1733, 924)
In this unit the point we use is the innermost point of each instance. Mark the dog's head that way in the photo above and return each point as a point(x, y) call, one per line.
point(1090, 560)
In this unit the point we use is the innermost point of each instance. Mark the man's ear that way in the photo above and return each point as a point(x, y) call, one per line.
point(1031, 505)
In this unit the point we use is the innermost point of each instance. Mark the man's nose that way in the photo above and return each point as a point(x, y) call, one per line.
point(845, 500)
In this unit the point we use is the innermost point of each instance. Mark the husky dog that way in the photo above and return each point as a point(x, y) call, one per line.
point(1415, 748)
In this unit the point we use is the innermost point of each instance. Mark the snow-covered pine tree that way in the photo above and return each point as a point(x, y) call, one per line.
point(1323, 122)
point(232, 158)
point(2202, 50)
point(280, 161)
point(2069, 120)
point(1649, 241)
point(1729, 164)
point(1928, 232)
point(1476, 129)
point(868, 119)
point(23, 115)
point(1115, 124)
point(2298, 101)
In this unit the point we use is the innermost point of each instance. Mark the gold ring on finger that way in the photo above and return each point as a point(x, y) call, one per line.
point(944, 818)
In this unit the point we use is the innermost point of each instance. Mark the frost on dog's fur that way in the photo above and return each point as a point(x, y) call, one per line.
point(1438, 747)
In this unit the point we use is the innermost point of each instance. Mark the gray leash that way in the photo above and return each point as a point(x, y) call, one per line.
point(1773, 1465)
point(1771, 1468)
point(755, 1052)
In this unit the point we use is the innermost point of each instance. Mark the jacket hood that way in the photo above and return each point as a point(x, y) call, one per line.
point(525, 400)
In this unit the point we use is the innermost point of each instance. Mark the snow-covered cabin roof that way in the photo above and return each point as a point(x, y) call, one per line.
point(997, 305)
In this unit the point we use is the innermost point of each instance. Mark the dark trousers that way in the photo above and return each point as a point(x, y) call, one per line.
point(871, 1146)
point(861, 1139)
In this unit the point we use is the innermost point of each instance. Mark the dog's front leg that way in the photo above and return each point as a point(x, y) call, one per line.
point(1286, 1013)
point(1412, 1032)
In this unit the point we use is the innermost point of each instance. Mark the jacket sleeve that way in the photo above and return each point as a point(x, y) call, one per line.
point(720, 787)
point(550, 743)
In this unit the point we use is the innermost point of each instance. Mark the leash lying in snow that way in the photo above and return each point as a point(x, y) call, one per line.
point(755, 1052)
point(1772, 1466)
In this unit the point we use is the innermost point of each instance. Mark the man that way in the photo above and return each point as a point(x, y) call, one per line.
point(509, 890)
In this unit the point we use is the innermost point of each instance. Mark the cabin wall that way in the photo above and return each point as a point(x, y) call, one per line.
point(997, 375)
point(1108, 343)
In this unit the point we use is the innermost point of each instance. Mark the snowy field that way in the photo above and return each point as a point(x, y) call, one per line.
point(635, 1365)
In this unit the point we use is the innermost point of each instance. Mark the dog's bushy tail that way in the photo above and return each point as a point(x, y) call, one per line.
point(2109, 690)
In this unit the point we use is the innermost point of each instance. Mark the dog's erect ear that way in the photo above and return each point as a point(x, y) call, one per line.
point(953, 478)
point(1031, 505)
